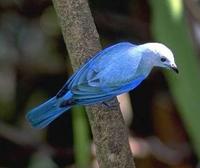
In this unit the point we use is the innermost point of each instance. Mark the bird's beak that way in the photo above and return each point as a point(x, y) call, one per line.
point(174, 68)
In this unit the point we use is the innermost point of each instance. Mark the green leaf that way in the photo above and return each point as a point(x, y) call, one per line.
point(169, 27)
point(81, 137)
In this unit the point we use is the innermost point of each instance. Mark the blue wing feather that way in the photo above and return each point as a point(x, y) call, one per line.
point(87, 85)
point(96, 81)
point(72, 81)
point(88, 98)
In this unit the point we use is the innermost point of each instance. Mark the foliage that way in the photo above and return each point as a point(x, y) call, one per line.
point(169, 26)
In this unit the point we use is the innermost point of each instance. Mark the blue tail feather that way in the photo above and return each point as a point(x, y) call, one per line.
point(45, 113)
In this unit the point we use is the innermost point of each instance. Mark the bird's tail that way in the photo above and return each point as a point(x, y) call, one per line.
point(45, 113)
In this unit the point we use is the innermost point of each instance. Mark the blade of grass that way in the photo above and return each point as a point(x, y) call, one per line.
point(81, 137)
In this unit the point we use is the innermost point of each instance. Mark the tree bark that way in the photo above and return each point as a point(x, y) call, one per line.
point(109, 131)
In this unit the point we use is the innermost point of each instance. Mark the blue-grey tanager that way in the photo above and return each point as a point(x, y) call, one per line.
point(112, 71)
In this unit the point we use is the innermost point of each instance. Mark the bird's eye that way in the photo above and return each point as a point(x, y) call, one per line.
point(163, 59)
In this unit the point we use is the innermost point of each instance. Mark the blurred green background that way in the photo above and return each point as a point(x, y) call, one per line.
point(162, 114)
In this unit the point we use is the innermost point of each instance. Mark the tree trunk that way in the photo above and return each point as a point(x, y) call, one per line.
point(109, 131)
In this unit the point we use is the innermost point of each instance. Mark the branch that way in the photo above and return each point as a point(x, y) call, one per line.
point(82, 40)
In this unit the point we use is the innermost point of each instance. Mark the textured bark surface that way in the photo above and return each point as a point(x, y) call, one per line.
point(109, 131)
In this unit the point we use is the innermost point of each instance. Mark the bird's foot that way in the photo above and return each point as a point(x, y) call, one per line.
point(111, 103)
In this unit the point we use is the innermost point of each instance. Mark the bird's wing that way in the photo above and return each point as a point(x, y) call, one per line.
point(107, 76)
point(75, 79)
point(88, 95)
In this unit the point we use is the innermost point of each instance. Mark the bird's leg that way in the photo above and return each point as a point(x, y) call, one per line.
point(110, 103)
point(106, 104)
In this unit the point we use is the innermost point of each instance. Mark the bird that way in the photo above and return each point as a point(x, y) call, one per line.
point(112, 71)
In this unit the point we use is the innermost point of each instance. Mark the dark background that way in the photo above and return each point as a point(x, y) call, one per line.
point(34, 65)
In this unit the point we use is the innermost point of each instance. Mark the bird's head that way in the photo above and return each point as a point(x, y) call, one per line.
point(161, 56)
